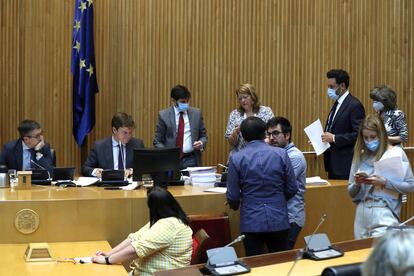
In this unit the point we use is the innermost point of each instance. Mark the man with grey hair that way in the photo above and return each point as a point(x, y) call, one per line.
point(392, 254)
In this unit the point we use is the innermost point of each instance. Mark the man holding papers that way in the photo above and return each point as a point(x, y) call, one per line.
point(379, 175)
point(342, 125)
point(261, 179)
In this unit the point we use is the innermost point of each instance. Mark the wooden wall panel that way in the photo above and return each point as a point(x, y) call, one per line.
point(145, 47)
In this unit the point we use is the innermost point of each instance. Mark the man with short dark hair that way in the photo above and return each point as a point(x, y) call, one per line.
point(342, 125)
point(182, 126)
point(115, 152)
point(261, 179)
point(279, 134)
point(29, 151)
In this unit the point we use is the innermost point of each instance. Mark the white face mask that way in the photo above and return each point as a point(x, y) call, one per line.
point(378, 106)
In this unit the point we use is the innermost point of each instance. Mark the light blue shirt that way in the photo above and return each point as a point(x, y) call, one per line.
point(115, 153)
point(27, 156)
point(296, 205)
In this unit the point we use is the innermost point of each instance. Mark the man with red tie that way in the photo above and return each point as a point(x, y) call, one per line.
point(182, 126)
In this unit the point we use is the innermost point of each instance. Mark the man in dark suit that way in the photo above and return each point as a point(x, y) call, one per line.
point(29, 151)
point(342, 125)
point(115, 152)
point(182, 126)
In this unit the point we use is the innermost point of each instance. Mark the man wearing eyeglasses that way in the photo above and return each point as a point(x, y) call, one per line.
point(279, 134)
point(115, 152)
point(29, 151)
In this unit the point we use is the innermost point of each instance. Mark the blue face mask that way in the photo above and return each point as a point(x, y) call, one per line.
point(332, 94)
point(378, 106)
point(182, 107)
point(372, 145)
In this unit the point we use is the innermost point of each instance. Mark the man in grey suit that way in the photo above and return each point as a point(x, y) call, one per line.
point(182, 126)
point(115, 152)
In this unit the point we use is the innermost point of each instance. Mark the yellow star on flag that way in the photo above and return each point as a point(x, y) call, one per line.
point(89, 2)
point(82, 6)
point(77, 46)
point(77, 25)
point(82, 63)
point(90, 70)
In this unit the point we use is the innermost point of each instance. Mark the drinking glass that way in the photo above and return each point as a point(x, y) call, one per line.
point(12, 178)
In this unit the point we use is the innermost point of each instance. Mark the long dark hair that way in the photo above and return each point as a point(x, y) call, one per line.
point(162, 204)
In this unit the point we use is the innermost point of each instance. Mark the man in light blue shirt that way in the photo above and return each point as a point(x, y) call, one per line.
point(279, 131)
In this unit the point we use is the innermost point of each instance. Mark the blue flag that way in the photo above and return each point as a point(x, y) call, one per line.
point(84, 71)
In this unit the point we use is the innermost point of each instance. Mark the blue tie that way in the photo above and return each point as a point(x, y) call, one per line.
point(120, 159)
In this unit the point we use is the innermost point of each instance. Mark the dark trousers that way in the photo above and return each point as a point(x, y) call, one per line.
point(275, 242)
point(293, 234)
point(188, 161)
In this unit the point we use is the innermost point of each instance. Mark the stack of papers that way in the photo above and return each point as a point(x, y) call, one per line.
point(202, 176)
point(316, 180)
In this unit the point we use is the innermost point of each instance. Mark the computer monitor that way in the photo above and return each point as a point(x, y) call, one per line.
point(162, 164)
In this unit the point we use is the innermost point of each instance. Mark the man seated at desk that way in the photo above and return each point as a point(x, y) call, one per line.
point(115, 152)
point(29, 151)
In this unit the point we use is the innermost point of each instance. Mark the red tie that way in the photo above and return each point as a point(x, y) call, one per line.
point(180, 134)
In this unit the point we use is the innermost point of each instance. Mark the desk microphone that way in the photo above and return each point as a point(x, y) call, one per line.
point(407, 221)
point(236, 240)
point(220, 250)
point(302, 252)
point(40, 166)
point(223, 166)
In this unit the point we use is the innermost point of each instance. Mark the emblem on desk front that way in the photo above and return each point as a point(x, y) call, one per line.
point(26, 221)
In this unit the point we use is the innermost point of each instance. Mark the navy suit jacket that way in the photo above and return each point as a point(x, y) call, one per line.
point(101, 155)
point(345, 127)
point(12, 156)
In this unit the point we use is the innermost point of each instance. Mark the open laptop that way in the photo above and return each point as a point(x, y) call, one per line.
point(64, 176)
point(113, 178)
point(41, 177)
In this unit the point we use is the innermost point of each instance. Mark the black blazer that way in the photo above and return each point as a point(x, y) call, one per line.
point(345, 127)
point(12, 156)
point(101, 155)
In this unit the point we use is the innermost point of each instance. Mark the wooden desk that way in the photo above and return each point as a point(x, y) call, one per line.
point(92, 213)
point(268, 264)
point(12, 262)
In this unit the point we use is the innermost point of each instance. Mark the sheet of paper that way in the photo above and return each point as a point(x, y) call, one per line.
point(83, 260)
point(314, 132)
point(220, 190)
point(198, 169)
point(86, 181)
point(393, 168)
point(316, 180)
point(130, 187)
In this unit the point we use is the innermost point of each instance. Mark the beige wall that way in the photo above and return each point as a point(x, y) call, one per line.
point(144, 47)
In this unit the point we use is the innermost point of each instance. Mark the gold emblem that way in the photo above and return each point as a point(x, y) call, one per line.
point(26, 221)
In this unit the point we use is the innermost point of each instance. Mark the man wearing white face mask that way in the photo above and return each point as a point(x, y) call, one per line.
point(342, 125)
point(182, 126)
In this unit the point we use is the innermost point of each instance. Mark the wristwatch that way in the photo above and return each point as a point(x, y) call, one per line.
point(107, 260)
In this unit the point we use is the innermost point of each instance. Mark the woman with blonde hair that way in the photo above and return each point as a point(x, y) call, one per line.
point(249, 105)
point(378, 196)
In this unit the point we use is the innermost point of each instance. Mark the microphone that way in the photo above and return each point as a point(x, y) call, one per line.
point(221, 249)
point(223, 166)
point(302, 252)
point(41, 167)
point(236, 240)
point(407, 221)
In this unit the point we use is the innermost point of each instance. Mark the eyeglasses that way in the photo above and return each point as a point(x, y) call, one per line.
point(274, 133)
point(37, 136)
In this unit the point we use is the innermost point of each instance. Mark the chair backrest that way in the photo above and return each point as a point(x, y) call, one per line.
point(53, 155)
point(216, 225)
point(199, 242)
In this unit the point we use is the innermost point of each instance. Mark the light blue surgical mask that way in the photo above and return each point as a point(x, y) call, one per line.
point(372, 145)
point(378, 106)
point(332, 94)
point(182, 107)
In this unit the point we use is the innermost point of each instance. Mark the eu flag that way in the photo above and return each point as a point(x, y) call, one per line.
point(84, 71)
